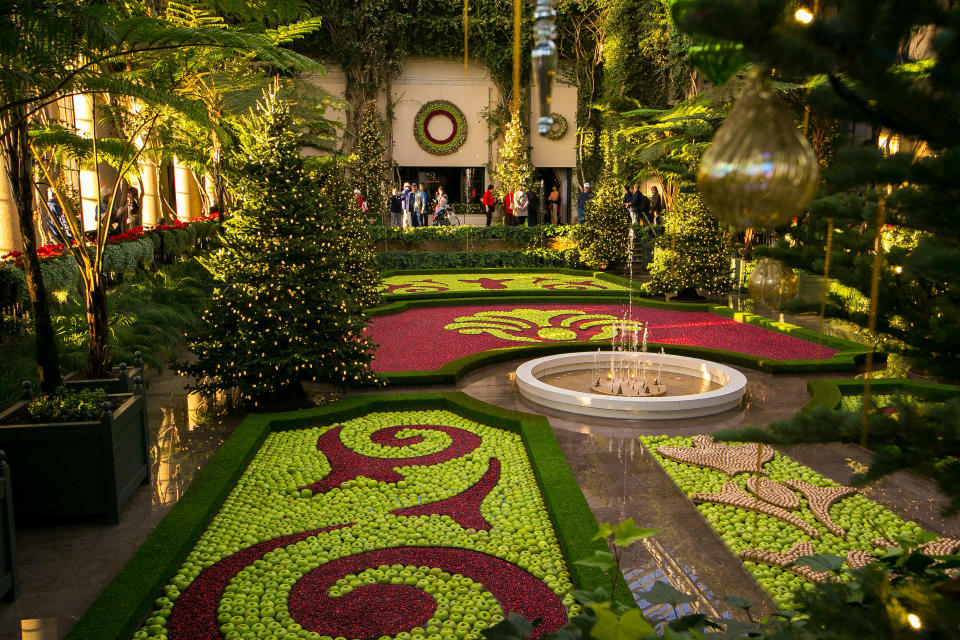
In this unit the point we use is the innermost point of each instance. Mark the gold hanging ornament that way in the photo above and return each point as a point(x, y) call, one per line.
point(772, 284)
point(760, 171)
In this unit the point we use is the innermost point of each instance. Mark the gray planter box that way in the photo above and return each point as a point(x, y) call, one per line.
point(122, 383)
point(9, 583)
point(66, 470)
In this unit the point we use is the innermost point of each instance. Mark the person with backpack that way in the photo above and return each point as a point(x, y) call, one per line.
point(639, 206)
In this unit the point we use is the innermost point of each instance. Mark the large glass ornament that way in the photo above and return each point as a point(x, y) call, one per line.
point(759, 171)
point(772, 284)
point(544, 58)
point(717, 61)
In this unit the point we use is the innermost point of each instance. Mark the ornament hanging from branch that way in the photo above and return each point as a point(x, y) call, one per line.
point(772, 284)
point(759, 171)
point(717, 61)
point(544, 58)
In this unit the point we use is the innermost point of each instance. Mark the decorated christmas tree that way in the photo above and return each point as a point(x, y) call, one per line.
point(371, 171)
point(603, 236)
point(691, 253)
point(890, 67)
point(513, 170)
point(295, 272)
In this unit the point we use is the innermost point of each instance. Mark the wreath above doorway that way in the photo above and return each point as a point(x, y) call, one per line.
point(559, 127)
point(452, 137)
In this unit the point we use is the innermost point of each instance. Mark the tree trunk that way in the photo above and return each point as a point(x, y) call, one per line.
point(98, 349)
point(19, 169)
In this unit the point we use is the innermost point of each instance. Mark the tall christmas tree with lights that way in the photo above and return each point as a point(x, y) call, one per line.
point(371, 173)
point(513, 170)
point(295, 272)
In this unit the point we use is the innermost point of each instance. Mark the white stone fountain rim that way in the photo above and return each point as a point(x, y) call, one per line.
point(716, 401)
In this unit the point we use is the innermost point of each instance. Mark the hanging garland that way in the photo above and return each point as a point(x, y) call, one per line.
point(440, 109)
point(558, 129)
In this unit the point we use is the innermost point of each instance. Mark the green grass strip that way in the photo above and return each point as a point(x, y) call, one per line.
point(123, 605)
point(829, 393)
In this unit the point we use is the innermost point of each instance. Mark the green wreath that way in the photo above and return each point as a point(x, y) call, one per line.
point(444, 109)
point(559, 127)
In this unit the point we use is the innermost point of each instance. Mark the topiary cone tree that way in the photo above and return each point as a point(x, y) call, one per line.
point(371, 173)
point(295, 272)
point(513, 169)
point(604, 235)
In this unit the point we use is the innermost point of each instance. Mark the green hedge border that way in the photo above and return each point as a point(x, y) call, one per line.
point(508, 293)
point(849, 355)
point(829, 393)
point(121, 608)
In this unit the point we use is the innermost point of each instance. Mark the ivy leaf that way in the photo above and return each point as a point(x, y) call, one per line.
point(604, 531)
point(629, 626)
point(626, 534)
point(663, 593)
point(603, 560)
point(695, 621)
point(820, 562)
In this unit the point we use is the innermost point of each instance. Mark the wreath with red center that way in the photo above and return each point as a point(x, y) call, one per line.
point(440, 109)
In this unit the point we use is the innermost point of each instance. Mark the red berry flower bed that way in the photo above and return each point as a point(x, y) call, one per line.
point(419, 523)
point(419, 340)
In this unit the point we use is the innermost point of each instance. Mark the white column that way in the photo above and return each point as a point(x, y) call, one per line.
point(150, 202)
point(89, 190)
point(186, 192)
point(9, 225)
point(211, 190)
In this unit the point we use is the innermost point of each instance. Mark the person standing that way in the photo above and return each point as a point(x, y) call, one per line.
point(533, 207)
point(656, 204)
point(508, 218)
point(553, 202)
point(627, 197)
point(639, 206)
point(489, 202)
point(585, 196)
point(56, 221)
point(408, 202)
point(419, 207)
point(521, 206)
point(396, 208)
point(405, 221)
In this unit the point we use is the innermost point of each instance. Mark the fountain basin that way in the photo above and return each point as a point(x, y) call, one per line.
point(731, 387)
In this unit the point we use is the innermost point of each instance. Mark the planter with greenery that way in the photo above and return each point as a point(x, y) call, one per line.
point(76, 453)
point(9, 579)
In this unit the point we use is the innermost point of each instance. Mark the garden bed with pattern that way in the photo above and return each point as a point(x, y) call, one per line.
point(772, 518)
point(422, 284)
point(389, 522)
point(425, 339)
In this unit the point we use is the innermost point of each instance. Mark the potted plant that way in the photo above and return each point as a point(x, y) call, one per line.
point(76, 452)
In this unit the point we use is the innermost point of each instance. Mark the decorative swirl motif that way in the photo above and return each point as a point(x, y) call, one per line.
point(350, 615)
point(489, 283)
point(194, 614)
point(347, 464)
point(573, 285)
point(554, 325)
point(463, 508)
point(417, 286)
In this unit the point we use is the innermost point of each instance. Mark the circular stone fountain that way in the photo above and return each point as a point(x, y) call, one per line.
point(672, 387)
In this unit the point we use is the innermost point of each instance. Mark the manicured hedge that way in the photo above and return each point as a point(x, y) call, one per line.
point(829, 393)
point(392, 260)
point(121, 607)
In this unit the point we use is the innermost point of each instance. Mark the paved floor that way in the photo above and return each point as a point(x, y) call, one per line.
point(63, 569)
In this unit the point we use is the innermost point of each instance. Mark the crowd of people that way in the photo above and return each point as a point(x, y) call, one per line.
point(412, 205)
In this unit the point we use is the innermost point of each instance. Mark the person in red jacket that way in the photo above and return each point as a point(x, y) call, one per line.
point(489, 203)
point(508, 218)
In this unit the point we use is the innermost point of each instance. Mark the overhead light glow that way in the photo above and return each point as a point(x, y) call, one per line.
point(914, 620)
point(803, 15)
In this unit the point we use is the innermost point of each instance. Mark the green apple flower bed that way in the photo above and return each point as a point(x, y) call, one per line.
point(772, 518)
point(470, 282)
point(406, 524)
